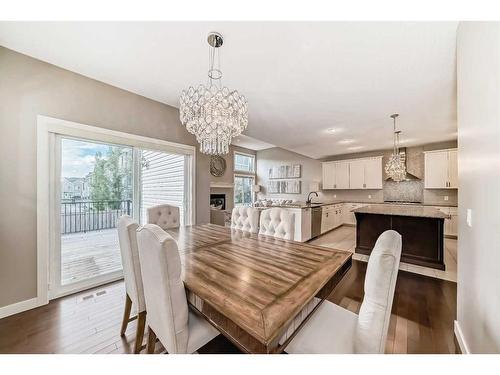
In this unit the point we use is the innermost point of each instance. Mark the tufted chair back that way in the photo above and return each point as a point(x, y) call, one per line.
point(245, 218)
point(163, 287)
point(127, 237)
point(380, 282)
point(165, 216)
point(277, 222)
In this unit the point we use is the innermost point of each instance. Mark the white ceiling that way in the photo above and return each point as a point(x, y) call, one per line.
point(300, 78)
point(251, 143)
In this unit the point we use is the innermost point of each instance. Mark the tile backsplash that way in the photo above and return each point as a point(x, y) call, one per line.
point(407, 191)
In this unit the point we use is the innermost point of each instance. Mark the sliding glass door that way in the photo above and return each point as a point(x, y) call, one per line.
point(94, 184)
point(95, 190)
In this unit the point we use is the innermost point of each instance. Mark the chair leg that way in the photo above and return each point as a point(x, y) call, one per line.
point(126, 315)
point(141, 324)
point(151, 341)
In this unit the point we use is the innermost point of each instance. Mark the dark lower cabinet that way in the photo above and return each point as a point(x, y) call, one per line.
point(423, 237)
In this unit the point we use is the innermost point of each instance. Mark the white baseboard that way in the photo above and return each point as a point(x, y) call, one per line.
point(461, 339)
point(18, 307)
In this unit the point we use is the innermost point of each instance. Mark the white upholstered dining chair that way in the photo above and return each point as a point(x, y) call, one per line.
point(335, 330)
point(165, 216)
point(277, 222)
point(245, 218)
point(169, 319)
point(127, 237)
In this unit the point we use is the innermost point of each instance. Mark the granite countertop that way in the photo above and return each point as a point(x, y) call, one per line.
point(402, 210)
point(312, 205)
point(304, 205)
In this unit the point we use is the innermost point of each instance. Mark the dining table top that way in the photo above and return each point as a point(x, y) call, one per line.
point(253, 285)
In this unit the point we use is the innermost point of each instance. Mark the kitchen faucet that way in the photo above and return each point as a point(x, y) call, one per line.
point(309, 199)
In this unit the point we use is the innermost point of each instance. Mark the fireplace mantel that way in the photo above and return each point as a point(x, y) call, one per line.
point(221, 185)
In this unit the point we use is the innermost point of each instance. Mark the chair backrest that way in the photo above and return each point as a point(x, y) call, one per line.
point(163, 287)
point(380, 282)
point(127, 236)
point(245, 218)
point(164, 215)
point(277, 222)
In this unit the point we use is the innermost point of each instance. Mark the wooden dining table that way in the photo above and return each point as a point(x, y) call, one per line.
point(257, 290)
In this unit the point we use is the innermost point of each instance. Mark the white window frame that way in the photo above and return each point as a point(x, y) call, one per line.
point(247, 175)
point(48, 129)
point(243, 171)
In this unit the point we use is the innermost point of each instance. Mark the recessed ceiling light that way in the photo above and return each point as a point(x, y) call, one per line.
point(347, 141)
point(353, 148)
point(332, 130)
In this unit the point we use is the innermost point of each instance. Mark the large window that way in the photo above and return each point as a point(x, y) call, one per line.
point(244, 163)
point(244, 179)
point(243, 195)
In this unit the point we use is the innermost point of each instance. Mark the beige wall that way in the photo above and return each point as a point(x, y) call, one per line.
point(29, 87)
point(478, 68)
point(312, 172)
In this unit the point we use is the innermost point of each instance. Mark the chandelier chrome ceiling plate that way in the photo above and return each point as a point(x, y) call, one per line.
point(396, 167)
point(213, 113)
point(215, 39)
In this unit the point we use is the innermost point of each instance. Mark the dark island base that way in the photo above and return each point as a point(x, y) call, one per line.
point(423, 237)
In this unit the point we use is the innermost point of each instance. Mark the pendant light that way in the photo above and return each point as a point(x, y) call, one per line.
point(395, 167)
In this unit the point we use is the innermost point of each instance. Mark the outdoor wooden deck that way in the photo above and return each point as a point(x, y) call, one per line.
point(90, 254)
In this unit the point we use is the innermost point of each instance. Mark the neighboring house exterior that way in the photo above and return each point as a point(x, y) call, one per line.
point(76, 188)
point(79, 188)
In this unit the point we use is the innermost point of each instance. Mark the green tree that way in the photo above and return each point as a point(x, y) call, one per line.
point(99, 185)
point(110, 174)
point(116, 176)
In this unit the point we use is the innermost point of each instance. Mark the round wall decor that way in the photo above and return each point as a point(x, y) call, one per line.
point(217, 165)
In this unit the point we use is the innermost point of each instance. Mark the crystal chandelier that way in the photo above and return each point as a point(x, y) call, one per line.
point(395, 167)
point(214, 114)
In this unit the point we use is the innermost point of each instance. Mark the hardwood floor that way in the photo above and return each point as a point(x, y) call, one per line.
point(89, 322)
point(423, 310)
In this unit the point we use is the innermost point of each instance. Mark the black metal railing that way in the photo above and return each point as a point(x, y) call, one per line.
point(85, 216)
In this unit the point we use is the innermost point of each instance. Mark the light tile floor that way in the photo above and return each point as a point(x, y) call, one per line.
point(344, 238)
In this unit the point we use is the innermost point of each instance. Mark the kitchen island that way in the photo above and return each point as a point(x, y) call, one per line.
point(421, 228)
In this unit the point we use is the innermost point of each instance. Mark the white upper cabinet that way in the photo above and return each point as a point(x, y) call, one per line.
point(328, 175)
point(453, 169)
point(357, 174)
point(341, 175)
point(363, 173)
point(335, 175)
point(441, 170)
point(373, 173)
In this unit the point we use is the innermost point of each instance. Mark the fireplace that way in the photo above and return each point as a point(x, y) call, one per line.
point(218, 201)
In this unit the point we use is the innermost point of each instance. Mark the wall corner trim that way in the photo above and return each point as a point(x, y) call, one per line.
point(460, 338)
point(18, 307)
